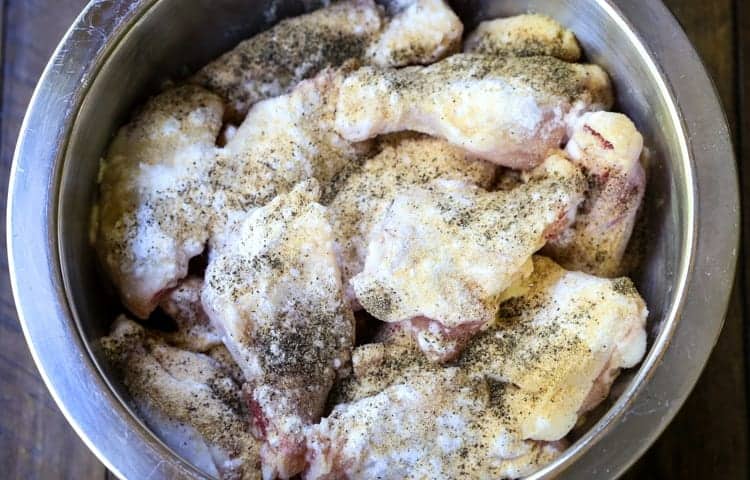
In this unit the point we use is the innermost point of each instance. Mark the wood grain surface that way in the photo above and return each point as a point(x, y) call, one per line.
point(709, 437)
point(35, 440)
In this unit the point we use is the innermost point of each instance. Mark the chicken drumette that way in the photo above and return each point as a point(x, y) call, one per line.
point(509, 110)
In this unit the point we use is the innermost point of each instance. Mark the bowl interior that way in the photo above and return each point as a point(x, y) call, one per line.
point(174, 37)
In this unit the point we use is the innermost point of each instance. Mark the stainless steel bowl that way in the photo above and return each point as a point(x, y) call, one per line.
point(118, 51)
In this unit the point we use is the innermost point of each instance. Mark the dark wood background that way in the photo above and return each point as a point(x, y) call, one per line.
point(709, 437)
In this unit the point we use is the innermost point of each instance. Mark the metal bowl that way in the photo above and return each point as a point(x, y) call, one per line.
point(119, 51)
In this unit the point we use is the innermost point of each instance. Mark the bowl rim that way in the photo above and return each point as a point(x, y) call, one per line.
point(70, 373)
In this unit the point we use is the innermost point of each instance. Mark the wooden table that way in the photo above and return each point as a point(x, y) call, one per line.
point(708, 439)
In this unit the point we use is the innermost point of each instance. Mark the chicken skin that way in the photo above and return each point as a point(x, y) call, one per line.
point(524, 36)
point(282, 141)
point(443, 255)
point(550, 357)
point(275, 290)
point(508, 110)
point(270, 63)
point(152, 214)
point(404, 161)
point(189, 399)
point(560, 345)
point(608, 147)
point(436, 424)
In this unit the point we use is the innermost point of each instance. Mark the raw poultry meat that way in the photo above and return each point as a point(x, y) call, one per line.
point(438, 423)
point(273, 61)
point(560, 345)
point(524, 36)
point(189, 399)
point(274, 288)
point(508, 110)
point(444, 255)
point(416, 32)
point(503, 409)
point(608, 147)
point(282, 141)
point(152, 215)
point(403, 161)
point(489, 355)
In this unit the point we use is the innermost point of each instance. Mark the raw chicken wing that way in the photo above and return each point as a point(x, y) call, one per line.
point(282, 141)
point(443, 255)
point(559, 347)
point(275, 289)
point(508, 110)
point(524, 36)
point(405, 161)
point(417, 32)
point(439, 424)
point(608, 147)
point(153, 209)
point(189, 399)
point(270, 63)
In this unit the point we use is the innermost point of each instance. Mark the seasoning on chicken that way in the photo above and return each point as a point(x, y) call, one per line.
point(275, 289)
point(505, 407)
point(282, 141)
point(608, 147)
point(439, 424)
point(416, 32)
point(154, 197)
point(403, 161)
point(444, 255)
point(420, 233)
point(189, 399)
point(193, 331)
point(527, 35)
point(273, 61)
point(560, 346)
point(508, 110)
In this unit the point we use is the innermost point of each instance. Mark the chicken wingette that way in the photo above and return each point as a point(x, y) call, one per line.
point(155, 196)
point(608, 147)
point(274, 290)
point(404, 161)
point(444, 255)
